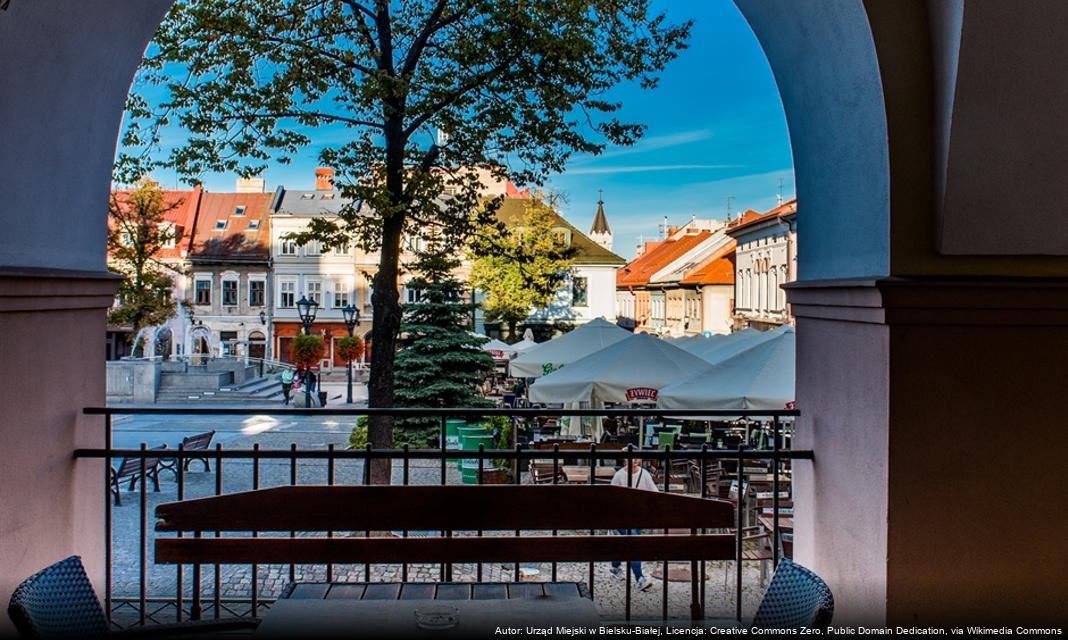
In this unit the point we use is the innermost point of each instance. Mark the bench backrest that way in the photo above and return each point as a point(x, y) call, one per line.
point(198, 441)
point(132, 466)
point(314, 508)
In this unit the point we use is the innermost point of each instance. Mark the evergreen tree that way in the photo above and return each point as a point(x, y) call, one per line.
point(440, 362)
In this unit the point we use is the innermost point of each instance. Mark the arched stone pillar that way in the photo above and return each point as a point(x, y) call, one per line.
point(923, 353)
point(65, 70)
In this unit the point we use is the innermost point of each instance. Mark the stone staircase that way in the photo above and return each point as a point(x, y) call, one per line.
point(260, 390)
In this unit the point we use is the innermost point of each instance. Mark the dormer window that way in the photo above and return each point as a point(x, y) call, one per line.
point(239, 211)
point(328, 196)
point(253, 224)
point(220, 224)
point(307, 196)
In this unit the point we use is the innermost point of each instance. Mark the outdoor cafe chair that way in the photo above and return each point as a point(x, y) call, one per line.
point(796, 598)
point(59, 601)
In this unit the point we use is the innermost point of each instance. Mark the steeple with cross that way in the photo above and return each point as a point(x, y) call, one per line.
point(600, 232)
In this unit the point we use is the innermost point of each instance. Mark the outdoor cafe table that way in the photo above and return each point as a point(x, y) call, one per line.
point(579, 474)
point(291, 618)
point(786, 523)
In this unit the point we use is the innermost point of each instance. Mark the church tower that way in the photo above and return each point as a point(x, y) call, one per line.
point(600, 232)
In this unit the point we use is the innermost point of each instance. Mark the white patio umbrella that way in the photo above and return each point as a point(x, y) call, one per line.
point(631, 370)
point(715, 350)
point(563, 350)
point(761, 377)
point(526, 343)
point(500, 350)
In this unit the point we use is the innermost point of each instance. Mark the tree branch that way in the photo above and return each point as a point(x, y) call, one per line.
point(472, 83)
point(304, 114)
point(349, 64)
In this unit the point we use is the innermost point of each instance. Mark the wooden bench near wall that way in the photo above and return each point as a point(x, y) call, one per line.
point(489, 508)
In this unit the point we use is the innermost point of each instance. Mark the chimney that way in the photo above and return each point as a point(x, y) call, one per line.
point(251, 185)
point(324, 179)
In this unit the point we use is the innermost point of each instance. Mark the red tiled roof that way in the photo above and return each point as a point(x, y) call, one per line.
point(750, 217)
point(237, 240)
point(638, 271)
point(718, 268)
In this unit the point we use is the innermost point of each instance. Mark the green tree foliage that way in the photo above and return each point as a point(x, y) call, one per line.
point(512, 82)
point(440, 362)
point(520, 267)
point(137, 232)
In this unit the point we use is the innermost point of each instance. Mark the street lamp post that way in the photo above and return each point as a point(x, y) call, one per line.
point(352, 318)
point(307, 309)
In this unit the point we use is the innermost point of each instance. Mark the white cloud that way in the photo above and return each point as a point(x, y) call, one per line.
point(651, 143)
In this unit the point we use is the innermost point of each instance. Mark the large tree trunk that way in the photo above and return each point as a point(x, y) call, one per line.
point(385, 306)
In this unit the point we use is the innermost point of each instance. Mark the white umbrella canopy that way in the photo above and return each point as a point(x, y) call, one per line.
point(762, 377)
point(524, 345)
point(499, 349)
point(631, 370)
point(563, 350)
point(715, 351)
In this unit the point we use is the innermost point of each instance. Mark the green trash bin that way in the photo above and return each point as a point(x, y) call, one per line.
point(471, 438)
point(452, 434)
point(462, 431)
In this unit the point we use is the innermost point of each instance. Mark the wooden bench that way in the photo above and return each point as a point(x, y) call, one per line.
point(489, 508)
point(131, 468)
point(198, 442)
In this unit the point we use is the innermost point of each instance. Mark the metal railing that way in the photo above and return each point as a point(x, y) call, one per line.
point(772, 422)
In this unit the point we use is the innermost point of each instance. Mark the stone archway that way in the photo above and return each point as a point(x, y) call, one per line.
point(884, 167)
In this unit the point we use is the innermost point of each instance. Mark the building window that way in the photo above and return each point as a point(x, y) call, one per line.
point(239, 210)
point(287, 294)
point(341, 296)
point(229, 293)
point(343, 250)
point(253, 224)
point(315, 292)
point(313, 248)
point(202, 289)
point(413, 295)
point(579, 292)
point(289, 248)
point(220, 224)
point(256, 290)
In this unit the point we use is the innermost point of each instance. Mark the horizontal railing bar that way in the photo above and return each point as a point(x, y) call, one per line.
point(436, 454)
point(414, 412)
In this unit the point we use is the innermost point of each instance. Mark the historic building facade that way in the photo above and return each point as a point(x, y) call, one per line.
point(766, 260)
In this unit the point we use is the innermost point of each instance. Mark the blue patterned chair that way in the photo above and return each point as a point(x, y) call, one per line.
point(795, 598)
point(59, 602)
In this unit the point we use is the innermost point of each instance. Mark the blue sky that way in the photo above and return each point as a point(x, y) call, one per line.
point(715, 129)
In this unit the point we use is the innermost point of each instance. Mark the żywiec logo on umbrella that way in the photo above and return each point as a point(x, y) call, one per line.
point(640, 393)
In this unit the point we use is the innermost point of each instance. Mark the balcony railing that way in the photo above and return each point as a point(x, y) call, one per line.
point(158, 597)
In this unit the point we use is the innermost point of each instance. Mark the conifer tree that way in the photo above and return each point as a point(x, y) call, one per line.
point(440, 362)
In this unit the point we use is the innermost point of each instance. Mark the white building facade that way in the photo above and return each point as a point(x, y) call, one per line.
point(766, 259)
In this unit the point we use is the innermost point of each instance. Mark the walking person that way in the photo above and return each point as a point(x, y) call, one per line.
point(287, 385)
point(639, 478)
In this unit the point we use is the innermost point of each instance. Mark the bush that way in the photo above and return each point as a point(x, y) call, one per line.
point(358, 437)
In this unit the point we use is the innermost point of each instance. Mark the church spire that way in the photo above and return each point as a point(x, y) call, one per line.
point(600, 232)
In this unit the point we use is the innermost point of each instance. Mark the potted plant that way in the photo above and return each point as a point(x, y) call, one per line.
point(504, 435)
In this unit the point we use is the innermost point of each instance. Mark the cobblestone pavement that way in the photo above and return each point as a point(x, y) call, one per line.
point(318, 433)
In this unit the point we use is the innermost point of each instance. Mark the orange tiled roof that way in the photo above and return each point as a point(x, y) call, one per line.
point(718, 268)
point(638, 271)
point(244, 236)
point(750, 217)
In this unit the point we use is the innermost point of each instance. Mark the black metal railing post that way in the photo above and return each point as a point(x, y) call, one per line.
point(107, 516)
point(142, 542)
point(738, 532)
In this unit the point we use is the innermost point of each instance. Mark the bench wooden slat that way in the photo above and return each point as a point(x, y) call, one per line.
point(454, 592)
point(417, 591)
point(382, 591)
point(490, 592)
point(386, 508)
point(562, 589)
point(346, 592)
point(308, 591)
point(435, 550)
point(525, 590)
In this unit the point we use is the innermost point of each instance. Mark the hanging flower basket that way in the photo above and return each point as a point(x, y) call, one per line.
point(350, 348)
point(308, 351)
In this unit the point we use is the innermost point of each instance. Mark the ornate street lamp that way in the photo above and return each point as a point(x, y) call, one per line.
point(307, 309)
point(352, 318)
